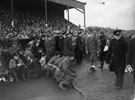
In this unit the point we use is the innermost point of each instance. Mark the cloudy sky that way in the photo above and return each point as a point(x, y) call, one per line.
point(114, 14)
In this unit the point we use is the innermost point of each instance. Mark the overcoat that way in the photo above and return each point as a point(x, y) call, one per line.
point(102, 45)
point(116, 55)
point(68, 47)
point(131, 53)
point(79, 44)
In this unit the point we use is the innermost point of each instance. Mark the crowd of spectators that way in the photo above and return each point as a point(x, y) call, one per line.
point(26, 40)
point(29, 23)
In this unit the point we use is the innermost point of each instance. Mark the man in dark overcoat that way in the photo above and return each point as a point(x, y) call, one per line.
point(131, 57)
point(102, 44)
point(62, 38)
point(79, 48)
point(117, 56)
point(57, 41)
point(68, 47)
point(131, 54)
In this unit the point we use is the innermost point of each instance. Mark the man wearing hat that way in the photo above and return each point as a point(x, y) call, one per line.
point(102, 44)
point(92, 48)
point(131, 57)
point(131, 54)
point(116, 57)
point(62, 38)
point(57, 41)
point(68, 47)
point(79, 48)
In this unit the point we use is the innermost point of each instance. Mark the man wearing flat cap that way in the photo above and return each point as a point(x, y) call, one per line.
point(102, 44)
point(62, 38)
point(131, 58)
point(68, 47)
point(116, 57)
point(92, 48)
point(57, 41)
point(79, 48)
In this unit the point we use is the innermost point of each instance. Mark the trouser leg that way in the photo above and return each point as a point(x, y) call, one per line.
point(77, 58)
point(14, 73)
point(134, 76)
point(102, 64)
point(119, 80)
point(22, 72)
point(81, 55)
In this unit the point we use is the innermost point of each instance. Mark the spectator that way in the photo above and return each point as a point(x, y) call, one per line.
point(68, 47)
point(79, 48)
point(131, 54)
point(117, 56)
point(102, 44)
point(92, 48)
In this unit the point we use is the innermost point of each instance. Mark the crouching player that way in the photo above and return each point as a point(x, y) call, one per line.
point(65, 75)
point(51, 67)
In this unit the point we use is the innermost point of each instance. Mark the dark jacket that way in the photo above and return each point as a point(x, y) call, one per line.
point(68, 45)
point(131, 53)
point(102, 45)
point(62, 44)
point(116, 55)
point(57, 43)
point(79, 43)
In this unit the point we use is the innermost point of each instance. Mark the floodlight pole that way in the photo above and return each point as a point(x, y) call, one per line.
point(68, 11)
point(12, 14)
point(46, 13)
point(84, 18)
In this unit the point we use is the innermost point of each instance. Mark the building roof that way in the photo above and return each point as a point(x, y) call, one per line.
point(70, 3)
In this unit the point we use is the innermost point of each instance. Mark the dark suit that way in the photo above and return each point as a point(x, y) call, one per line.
point(102, 53)
point(117, 56)
point(68, 47)
point(79, 49)
point(62, 44)
point(57, 43)
point(131, 55)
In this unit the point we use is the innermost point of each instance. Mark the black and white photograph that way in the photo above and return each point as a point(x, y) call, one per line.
point(67, 49)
